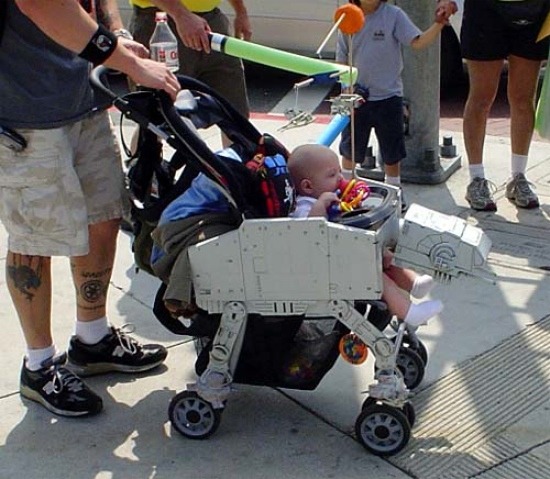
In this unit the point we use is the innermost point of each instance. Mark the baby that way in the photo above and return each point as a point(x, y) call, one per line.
point(316, 174)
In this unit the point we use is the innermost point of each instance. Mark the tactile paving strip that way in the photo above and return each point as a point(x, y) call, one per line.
point(460, 417)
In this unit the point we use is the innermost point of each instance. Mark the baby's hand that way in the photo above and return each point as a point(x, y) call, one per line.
point(322, 205)
point(328, 199)
point(445, 9)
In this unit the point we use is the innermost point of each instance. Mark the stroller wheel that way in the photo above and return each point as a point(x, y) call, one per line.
point(411, 366)
point(408, 409)
point(415, 344)
point(410, 413)
point(418, 347)
point(192, 416)
point(383, 430)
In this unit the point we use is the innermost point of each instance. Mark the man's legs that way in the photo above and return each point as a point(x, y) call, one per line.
point(97, 347)
point(85, 187)
point(523, 77)
point(43, 377)
point(29, 283)
point(484, 80)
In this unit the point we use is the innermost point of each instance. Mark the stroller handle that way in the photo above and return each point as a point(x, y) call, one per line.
point(97, 79)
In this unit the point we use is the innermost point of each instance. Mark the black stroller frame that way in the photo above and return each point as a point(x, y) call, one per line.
point(254, 342)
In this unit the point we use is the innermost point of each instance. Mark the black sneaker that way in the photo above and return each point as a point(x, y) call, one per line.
point(117, 351)
point(58, 389)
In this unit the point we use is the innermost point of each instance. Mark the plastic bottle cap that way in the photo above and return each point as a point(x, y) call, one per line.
point(160, 17)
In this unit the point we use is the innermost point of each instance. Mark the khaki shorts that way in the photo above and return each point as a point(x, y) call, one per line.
point(66, 179)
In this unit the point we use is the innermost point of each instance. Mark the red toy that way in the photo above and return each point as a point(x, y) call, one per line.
point(353, 193)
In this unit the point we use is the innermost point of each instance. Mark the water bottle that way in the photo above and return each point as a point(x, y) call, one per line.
point(164, 44)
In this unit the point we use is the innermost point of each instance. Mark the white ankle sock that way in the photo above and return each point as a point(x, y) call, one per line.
point(422, 286)
point(35, 357)
point(476, 171)
point(518, 163)
point(419, 314)
point(91, 332)
point(393, 180)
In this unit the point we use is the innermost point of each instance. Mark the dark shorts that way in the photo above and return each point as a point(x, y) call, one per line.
point(223, 73)
point(386, 117)
point(493, 30)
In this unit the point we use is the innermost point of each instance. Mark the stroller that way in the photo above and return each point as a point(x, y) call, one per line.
point(259, 286)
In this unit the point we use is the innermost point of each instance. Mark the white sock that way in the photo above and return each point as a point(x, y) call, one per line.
point(422, 286)
point(476, 171)
point(35, 357)
point(393, 180)
point(519, 164)
point(91, 332)
point(419, 314)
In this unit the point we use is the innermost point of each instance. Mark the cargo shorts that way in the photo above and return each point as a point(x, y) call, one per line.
point(66, 179)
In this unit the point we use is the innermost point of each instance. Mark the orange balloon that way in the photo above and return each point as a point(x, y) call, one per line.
point(353, 20)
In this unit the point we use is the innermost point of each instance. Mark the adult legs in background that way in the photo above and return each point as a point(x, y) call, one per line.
point(523, 77)
point(484, 80)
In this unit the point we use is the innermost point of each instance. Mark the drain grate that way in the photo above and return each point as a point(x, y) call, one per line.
point(528, 466)
point(460, 417)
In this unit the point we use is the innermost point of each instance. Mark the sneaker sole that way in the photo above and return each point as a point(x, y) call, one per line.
point(84, 370)
point(489, 207)
point(529, 206)
point(32, 395)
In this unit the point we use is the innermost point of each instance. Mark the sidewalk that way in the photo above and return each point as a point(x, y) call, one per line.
point(482, 410)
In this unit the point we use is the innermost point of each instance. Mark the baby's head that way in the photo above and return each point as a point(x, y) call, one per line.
point(314, 169)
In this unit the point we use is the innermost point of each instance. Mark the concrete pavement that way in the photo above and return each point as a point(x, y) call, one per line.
point(482, 410)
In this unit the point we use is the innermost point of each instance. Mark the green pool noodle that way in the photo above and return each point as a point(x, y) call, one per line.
point(276, 58)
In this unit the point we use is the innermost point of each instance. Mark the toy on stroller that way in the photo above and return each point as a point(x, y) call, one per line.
point(256, 285)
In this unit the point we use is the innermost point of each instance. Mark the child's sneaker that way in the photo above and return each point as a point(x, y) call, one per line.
point(117, 351)
point(58, 389)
